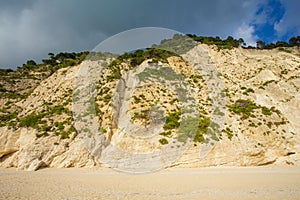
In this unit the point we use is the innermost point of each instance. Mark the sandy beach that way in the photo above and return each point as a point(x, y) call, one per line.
point(204, 183)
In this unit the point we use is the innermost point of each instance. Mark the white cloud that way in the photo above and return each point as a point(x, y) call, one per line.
point(290, 23)
point(246, 32)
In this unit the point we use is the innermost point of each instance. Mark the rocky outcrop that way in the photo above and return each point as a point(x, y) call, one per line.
point(269, 78)
point(23, 150)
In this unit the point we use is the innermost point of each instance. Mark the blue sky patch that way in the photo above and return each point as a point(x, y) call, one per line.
point(271, 13)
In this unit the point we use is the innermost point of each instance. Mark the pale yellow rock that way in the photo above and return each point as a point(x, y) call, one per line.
point(260, 70)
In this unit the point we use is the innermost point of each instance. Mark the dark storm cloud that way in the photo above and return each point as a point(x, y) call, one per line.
point(15, 5)
point(31, 29)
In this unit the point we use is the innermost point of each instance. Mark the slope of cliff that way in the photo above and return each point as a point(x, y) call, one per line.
point(136, 105)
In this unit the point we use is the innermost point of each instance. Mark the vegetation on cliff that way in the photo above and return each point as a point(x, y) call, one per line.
point(17, 85)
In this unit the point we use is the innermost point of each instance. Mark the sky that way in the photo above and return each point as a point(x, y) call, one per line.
point(30, 29)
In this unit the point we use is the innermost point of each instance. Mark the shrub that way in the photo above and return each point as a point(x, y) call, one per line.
point(285, 71)
point(166, 134)
point(106, 98)
point(64, 134)
point(250, 90)
point(172, 120)
point(136, 99)
point(144, 114)
point(8, 117)
point(243, 107)
point(199, 137)
point(273, 109)
point(45, 128)
point(202, 129)
point(59, 125)
point(268, 82)
point(269, 124)
point(31, 120)
point(229, 133)
point(266, 111)
point(163, 141)
point(58, 110)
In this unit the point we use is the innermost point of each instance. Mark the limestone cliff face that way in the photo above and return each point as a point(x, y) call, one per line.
point(33, 148)
point(266, 82)
point(270, 79)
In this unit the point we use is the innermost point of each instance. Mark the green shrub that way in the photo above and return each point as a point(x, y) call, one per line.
point(8, 117)
point(104, 90)
point(268, 82)
point(285, 71)
point(136, 99)
point(45, 128)
point(228, 43)
point(163, 141)
point(269, 124)
point(199, 137)
point(196, 78)
point(166, 133)
point(144, 114)
point(229, 133)
point(280, 123)
point(59, 125)
point(64, 134)
point(106, 98)
point(204, 123)
point(31, 120)
point(58, 110)
point(172, 120)
point(273, 109)
point(243, 107)
point(135, 59)
point(266, 111)
point(250, 90)
point(284, 49)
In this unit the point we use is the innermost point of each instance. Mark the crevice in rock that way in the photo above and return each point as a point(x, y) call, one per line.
point(290, 153)
point(267, 163)
point(6, 156)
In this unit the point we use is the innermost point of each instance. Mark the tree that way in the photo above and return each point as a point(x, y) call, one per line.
point(218, 39)
point(229, 39)
point(281, 44)
point(260, 44)
point(294, 41)
point(270, 46)
point(51, 55)
point(31, 62)
point(241, 42)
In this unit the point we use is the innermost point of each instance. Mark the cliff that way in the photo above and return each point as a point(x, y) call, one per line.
point(246, 102)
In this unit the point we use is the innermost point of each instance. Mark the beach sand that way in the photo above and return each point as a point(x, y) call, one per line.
point(176, 183)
